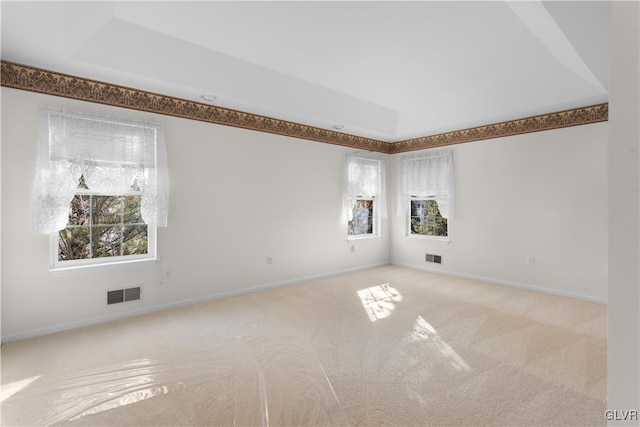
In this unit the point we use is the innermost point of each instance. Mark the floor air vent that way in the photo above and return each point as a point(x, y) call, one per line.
point(123, 295)
point(434, 258)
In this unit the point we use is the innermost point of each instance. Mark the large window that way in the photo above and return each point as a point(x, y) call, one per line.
point(364, 195)
point(107, 227)
point(101, 188)
point(427, 194)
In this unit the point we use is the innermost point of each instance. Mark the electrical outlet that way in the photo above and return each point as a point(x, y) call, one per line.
point(531, 260)
point(269, 259)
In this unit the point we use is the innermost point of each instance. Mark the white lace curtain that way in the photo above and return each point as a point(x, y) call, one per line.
point(428, 176)
point(364, 179)
point(114, 156)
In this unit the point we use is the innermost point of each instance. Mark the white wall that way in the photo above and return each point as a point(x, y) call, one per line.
point(236, 197)
point(624, 213)
point(541, 194)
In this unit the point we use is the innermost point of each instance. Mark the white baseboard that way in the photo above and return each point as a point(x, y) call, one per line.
point(93, 321)
point(504, 282)
point(96, 320)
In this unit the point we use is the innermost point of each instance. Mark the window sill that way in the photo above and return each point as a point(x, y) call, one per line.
point(99, 268)
point(363, 237)
point(432, 238)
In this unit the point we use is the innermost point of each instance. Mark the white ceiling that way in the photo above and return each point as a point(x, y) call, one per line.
point(384, 70)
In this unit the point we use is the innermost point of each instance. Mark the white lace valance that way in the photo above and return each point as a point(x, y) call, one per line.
point(428, 176)
point(114, 156)
point(364, 179)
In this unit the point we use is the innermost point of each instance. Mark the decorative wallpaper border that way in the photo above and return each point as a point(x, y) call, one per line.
point(557, 120)
point(52, 83)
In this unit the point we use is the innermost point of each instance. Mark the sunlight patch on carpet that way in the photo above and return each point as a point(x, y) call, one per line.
point(379, 301)
point(423, 332)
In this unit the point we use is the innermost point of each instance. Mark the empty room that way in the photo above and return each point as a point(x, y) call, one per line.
point(320, 213)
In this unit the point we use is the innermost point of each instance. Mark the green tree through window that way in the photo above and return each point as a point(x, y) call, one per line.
point(102, 226)
point(426, 219)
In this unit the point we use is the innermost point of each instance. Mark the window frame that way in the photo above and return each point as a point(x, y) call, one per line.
point(355, 190)
point(425, 236)
point(375, 228)
point(104, 262)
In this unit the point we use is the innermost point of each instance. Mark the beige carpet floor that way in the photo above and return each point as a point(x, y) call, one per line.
point(386, 346)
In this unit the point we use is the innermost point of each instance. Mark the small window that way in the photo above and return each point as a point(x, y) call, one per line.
point(364, 197)
point(425, 219)
point(362, 223)
point(103, 229)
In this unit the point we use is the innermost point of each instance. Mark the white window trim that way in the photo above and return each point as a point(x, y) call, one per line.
point(94, 265)
point(411, 235)
point(104, 267)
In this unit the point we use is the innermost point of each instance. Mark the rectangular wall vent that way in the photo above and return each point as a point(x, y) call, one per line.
point(123, 295)
point(434, 258)
point(132, 294)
